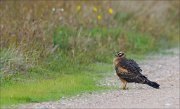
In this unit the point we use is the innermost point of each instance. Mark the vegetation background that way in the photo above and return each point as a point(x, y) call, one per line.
point(52, 49)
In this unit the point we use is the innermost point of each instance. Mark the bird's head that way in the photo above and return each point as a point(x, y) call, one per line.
point(120, 54)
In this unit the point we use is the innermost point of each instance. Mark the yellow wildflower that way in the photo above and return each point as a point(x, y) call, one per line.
point(99, 17)
point(94, 9)
point(78, 8)
point(110, 11)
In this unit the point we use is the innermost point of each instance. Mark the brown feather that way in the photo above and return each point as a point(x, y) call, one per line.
point(123, 70)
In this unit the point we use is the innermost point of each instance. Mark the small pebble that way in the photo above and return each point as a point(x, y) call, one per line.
point(167, 104)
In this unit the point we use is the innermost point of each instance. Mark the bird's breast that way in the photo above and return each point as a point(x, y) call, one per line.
point(123, 69)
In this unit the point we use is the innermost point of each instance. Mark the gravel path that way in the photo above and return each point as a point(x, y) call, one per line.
point(162, 68)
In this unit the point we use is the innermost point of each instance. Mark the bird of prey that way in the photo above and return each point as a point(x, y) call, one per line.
point(129, 71)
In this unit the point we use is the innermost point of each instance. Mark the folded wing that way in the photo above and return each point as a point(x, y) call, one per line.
point(130, 71)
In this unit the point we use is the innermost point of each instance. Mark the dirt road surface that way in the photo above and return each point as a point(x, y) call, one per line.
point(162, 68)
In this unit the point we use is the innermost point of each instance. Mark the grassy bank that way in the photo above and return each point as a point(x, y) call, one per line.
point(43, 84)
point(54, 51)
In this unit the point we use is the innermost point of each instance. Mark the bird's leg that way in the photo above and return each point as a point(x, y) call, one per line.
point(124, 84)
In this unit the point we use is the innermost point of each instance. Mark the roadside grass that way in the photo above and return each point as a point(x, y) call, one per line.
point(53, 88)
point(75, 67)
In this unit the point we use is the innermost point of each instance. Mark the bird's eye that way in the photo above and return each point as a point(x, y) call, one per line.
point(120, 54)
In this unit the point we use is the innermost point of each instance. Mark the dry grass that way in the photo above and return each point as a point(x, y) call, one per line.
point(30, 28)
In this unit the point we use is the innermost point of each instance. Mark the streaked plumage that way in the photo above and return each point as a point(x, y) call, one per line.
point(129, 71)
